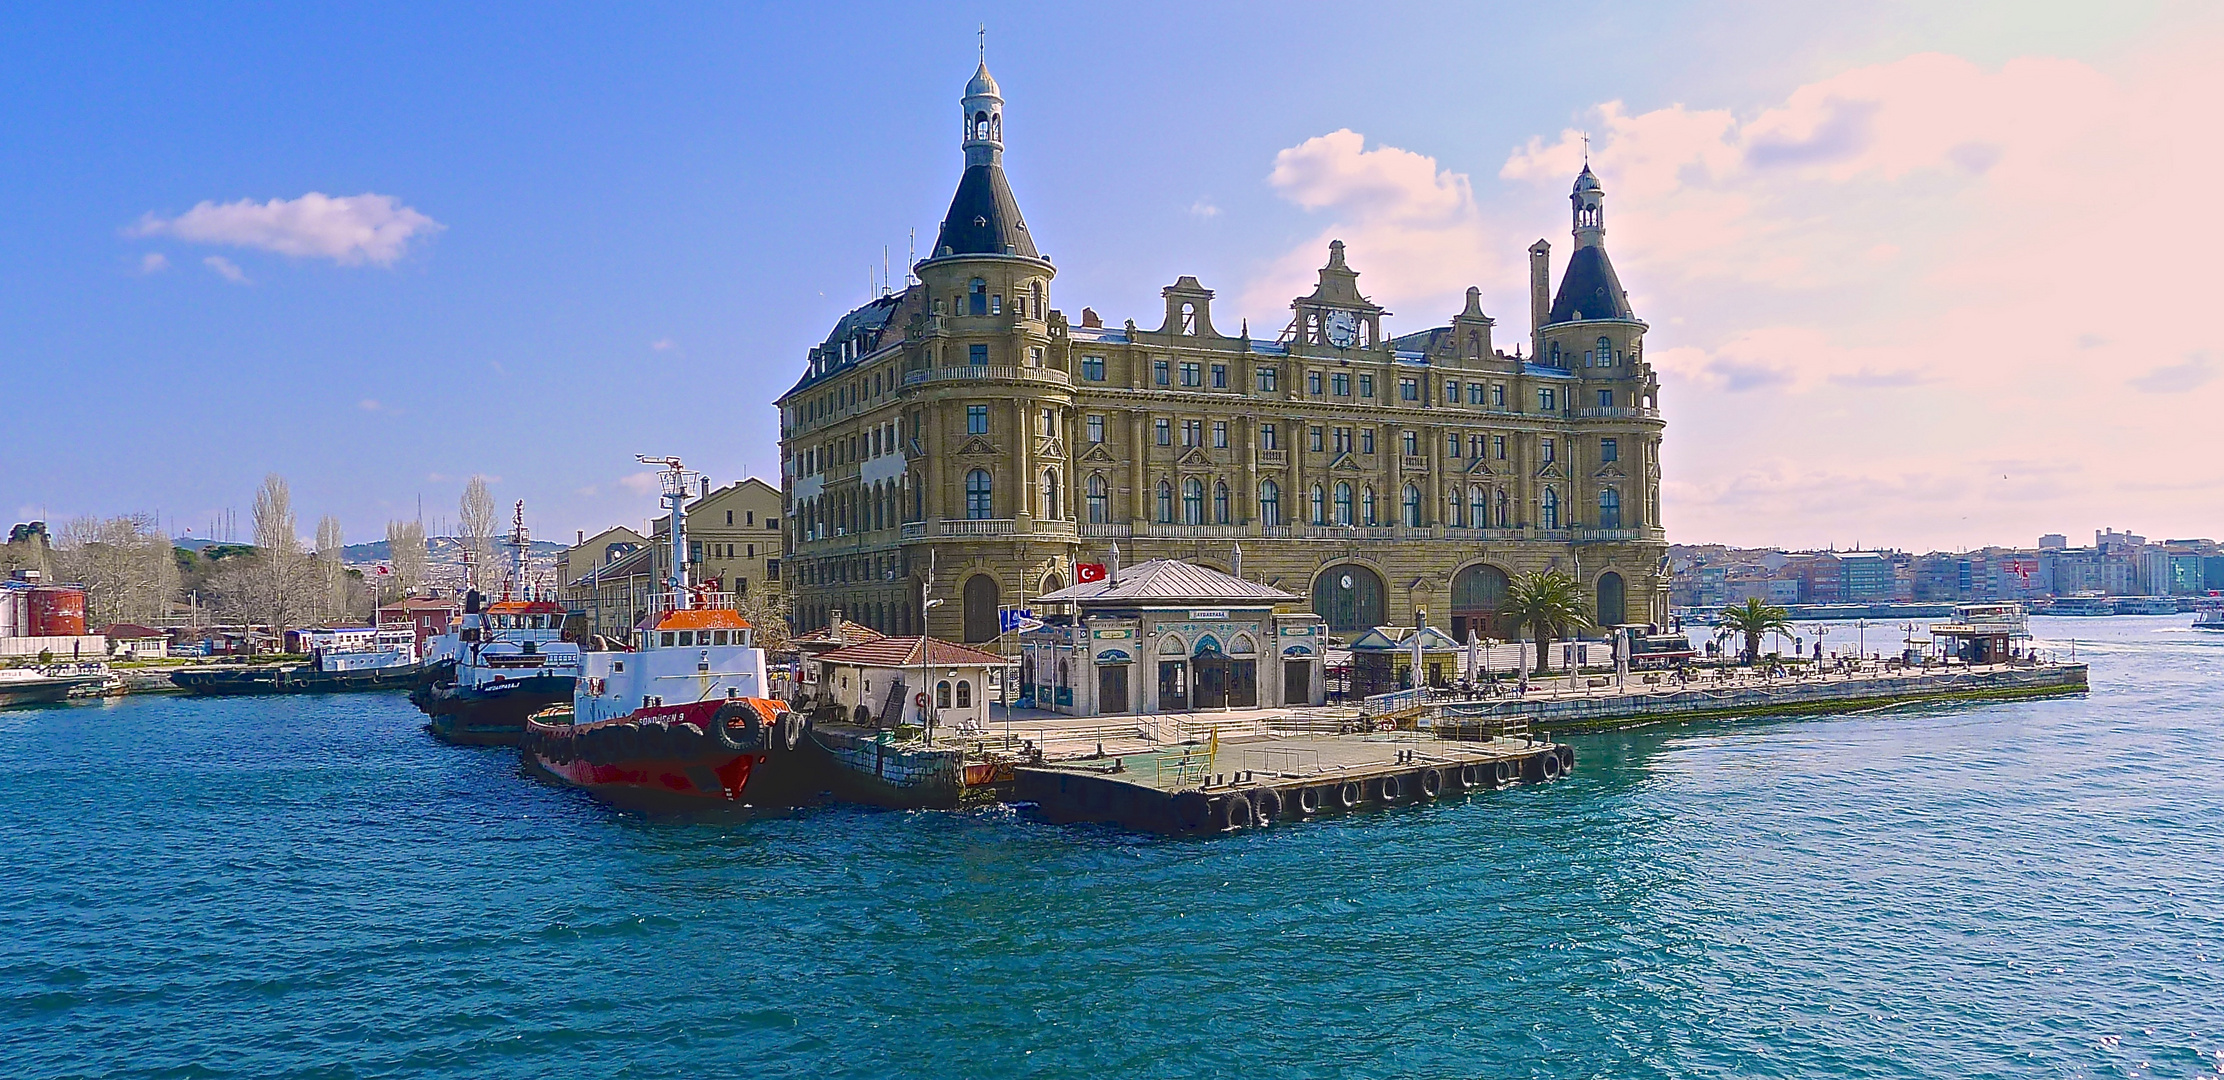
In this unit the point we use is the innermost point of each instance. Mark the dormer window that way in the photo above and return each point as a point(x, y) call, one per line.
point(978, 290)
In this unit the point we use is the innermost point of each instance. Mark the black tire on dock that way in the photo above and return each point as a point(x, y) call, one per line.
point(1505, 773)
point(1567, 760)
point(791, 730)
point(1266, 803)
point(1432, 783)
point(1393, 788)
point(1347, 796)
point(1191, 810)
point(1548, 766)
point(1470, 777)
point(1232, 812)
point(1309, 801)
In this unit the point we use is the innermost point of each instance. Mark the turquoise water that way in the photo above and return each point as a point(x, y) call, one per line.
point(309, 887)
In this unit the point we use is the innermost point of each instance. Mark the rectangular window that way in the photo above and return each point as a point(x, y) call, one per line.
point(772, 569)
point(1606, 399)
point(1610, 450)
point(1164, 428)
point(976, 354)
point(1474, 393)
point(1498, 396)
point(1313, 383)
point(1220, 434)
point(1343, 440)
point(1546, 402)
point(1340, 384)
point(1366, 386)
point(1313, 440)
point(1268, 377)
point(1092, 368)
point(1096, 427)
point(1220, 376)
point(1193, 374)
point(996, 304)
point(1498, 447)
point(1409, 389)
point(1267, 441)
point(1452, 445)
point(1451, 392)
point(1367, 440)
point(1544, 450)
point(1049, 422)
point(976, 419)
point(1411, 443)
point(1193, 433)
point(1161, 373)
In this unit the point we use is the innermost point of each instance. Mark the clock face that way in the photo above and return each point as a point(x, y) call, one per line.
point(1343, 329)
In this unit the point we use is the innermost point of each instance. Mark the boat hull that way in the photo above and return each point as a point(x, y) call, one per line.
point(489, 716)
point(41, 691)
point(292, 680)
point(670, 759)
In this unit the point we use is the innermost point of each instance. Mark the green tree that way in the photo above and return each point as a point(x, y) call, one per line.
point(1753, 619)
point(1548, 603)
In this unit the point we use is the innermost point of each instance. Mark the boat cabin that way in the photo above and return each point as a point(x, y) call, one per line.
point(678, 655)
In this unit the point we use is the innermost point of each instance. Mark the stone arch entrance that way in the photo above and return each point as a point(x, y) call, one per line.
point(980, 608)
point(1613, 600)
point(1477, 593)
point(1350, 597)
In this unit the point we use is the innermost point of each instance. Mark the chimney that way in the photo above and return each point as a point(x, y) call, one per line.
point(582, 538)
point(1540, 294)
point(834, 626)
point(1112, 574)
point(1237, 561)
point(706, 487)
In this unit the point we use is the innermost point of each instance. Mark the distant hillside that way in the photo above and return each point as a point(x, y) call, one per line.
point(377, 551)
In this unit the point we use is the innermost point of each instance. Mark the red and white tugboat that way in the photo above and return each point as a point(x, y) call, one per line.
point(680, 717)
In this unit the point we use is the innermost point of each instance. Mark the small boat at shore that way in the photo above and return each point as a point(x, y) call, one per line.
point(43, 686)
point(328, 673)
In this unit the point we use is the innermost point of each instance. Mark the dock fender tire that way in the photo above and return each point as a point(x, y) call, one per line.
point(1232, 812)
point(730, 713)
point(1505, 773)
point(1432, 783)
point(1470, 777)
point(1266, 805)
point(1548, 766)
point(1393, 788)
point(685, 740)
point(1309, 801)
point(791, 730)
point(1192, 810)
point(1347, 795)
point(1567, 760)
point(656, 739)
point(625, 742)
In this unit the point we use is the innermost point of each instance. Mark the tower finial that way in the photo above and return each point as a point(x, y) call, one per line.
point(984, 43)
point(1586, 147)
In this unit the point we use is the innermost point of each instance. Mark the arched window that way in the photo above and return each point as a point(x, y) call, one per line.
point(1037, 289)
point(980, 125)
point(1478, 508)
point(1100, 501)
point(981, 608)
point(1412, 507)
point(1368, 505)
point(1320, 507)
point(1220, 508)
point(979, 500)
point(978, 292)
point(1605, 352)
point(1613, 607)
point(1349, 597)
point(1270, 503)
point(965, 693)
point(942, 694)
point(1189, 318)
point(1610, 508)
point(1343, 503)
point(1050, 494)
point(1165, 502)
point(1551, 509)
point(1193, 501)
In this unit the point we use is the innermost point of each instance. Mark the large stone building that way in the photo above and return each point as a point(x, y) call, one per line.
point(1375, 473)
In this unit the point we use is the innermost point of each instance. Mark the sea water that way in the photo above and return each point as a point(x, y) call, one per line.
point(310, 887)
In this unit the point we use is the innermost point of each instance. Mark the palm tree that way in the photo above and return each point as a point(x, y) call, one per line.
point(1547, 603)
point(1753, 619)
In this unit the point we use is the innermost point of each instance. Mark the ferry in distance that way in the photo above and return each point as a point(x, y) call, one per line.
point(2208, 612)
point(2082, 605)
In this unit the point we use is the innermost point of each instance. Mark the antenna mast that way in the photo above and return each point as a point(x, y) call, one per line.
point(677, 479)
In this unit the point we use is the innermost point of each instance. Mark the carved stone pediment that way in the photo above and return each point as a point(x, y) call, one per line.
point(1479, 467)
point(1098, 453)
point(1345, 462)
point(978, 446)
point(1050, 447)
point(1195, 458)
point(1612, 471)
point(1552, 471)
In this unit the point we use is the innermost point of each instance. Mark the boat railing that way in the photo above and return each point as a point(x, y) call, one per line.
point(696, 600)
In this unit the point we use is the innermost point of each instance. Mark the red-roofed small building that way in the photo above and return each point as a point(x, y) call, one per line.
point(909, 680)
point(428, 616)
point(131, 641)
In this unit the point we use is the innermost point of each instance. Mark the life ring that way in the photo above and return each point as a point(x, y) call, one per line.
point(1191, 810)
point(1393, 787)
point(1470, 777)
point(1548, 766)
point(1266, 805)
point(919, 699)
point(1309, 801)
point(1347, 796)
point(1505, 773)
point(1432, 784)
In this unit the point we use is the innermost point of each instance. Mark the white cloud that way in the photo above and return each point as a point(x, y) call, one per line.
point(153, 262)
point(661, 344)
point(641, 482)
point(2194, 372)
point(1204, 208)
point(349, 230)
point(370, 405)
point(227, 269)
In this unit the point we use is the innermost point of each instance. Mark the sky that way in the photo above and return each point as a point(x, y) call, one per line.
point(1917, 275)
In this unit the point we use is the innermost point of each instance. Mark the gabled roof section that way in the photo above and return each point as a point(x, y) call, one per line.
point(984, 218)
point(1589, 290)
point(1168, 582)
point(895, 652)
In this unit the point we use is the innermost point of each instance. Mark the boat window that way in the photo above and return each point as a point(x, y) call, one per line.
point(718, 637)
point(667, 638)
point(687, 637)
point(617, 666)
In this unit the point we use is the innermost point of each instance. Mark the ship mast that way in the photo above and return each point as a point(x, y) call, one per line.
point(519, 542)
point(676, 479)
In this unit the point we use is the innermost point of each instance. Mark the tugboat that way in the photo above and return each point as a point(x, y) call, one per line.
point(678, 719)
point(510, 660)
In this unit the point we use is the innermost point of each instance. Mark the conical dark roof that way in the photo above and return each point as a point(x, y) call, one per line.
point(984, 218)
point(1589, 290)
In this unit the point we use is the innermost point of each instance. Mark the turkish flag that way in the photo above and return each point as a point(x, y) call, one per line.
point(1087, 572)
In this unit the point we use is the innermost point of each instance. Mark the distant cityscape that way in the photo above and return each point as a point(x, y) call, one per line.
point(2115, 564)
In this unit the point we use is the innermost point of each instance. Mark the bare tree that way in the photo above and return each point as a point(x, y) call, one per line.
point(278, 585)
point(767, 610)
point(405, 553)
point(127, 566)
point(331, 567)
point(475, 527)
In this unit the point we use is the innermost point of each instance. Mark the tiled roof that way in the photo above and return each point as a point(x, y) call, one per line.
point(1167, 581)
point(124, 631)
point(892, 652)
point(852, 634)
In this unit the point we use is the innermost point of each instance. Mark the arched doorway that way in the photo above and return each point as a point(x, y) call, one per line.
point(1613, 608)
point(1051, 583)
point(1350, 597)
point(980, 608)
point(1477, 593)
point(1208, 668)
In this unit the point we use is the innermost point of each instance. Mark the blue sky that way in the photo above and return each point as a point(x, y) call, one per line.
point(635, 220)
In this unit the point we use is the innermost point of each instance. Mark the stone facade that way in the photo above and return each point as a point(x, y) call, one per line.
point(964, 424)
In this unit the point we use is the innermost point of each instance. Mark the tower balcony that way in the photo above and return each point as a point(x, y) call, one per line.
point(974, 373)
